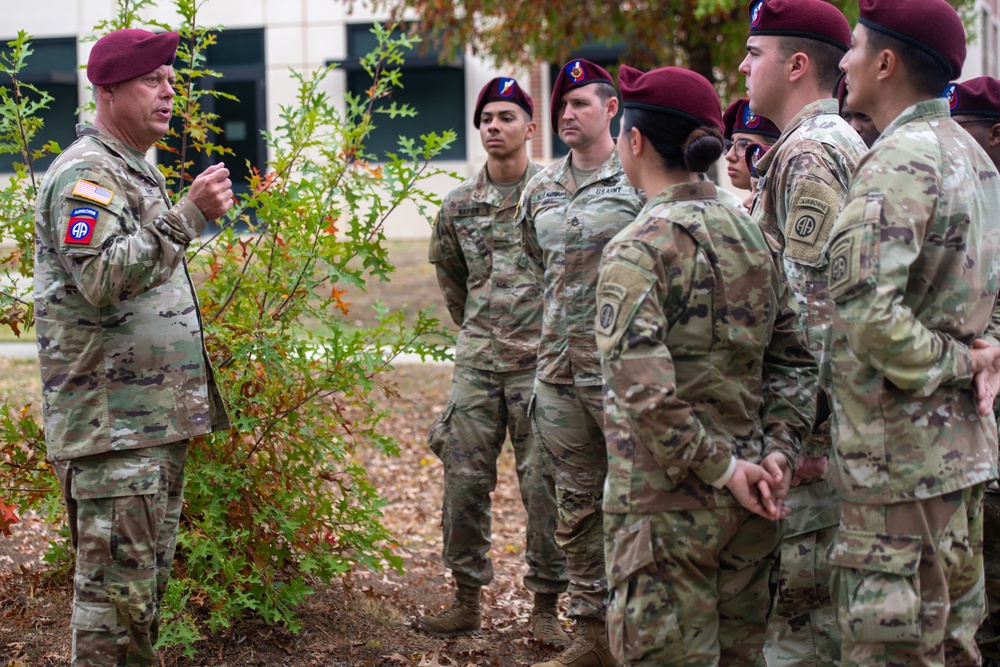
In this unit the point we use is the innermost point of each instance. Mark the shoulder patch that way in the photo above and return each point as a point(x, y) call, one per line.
point(80, 228)
point(93, 192)
point(809, 223)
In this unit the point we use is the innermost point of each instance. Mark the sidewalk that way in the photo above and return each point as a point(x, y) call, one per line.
point(24, 350)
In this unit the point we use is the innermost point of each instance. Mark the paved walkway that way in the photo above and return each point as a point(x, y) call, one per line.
point(19, 350)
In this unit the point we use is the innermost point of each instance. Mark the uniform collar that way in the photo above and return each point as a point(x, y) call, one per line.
point(134, 158)
point(928, 110)
point(827, 105)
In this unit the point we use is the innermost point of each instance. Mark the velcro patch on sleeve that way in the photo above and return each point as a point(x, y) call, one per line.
point(621, 288)
point(89, 190)
point(809, 223)
point(81, 225)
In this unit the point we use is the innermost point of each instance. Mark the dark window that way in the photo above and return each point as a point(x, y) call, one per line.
point(52, 68)
point(605, 56)
point(435, 91)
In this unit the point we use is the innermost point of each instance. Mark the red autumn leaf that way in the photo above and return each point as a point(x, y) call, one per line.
point(8, 517)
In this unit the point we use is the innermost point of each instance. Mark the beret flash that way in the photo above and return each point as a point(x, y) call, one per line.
point(813, 19)
point(502, 89)
point(671, 90)
point(931, 26)
point(739, 118)
point(577, 72)
point(126, 54)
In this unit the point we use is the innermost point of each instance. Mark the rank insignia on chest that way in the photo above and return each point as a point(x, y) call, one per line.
point(80, 229)
point(93, 192)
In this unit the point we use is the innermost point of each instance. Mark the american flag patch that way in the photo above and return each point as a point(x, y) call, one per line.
point(93, 192)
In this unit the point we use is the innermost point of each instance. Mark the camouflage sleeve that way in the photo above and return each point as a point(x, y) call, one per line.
point(993, 328)
point(445, 253)
point(126, 251)
point(791, 382)
point(878, 239)
point(529, 236)
point(812, 198)
point(631, 328)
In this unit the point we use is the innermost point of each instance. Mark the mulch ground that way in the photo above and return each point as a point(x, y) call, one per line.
point(365, 618)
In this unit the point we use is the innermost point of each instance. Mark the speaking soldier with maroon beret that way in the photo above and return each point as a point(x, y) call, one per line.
point(914, 272)
point(568, 213)
point(793, 50)
point(126, 378)
point(493, 298)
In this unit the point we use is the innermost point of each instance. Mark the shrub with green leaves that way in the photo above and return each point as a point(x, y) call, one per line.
point(281, 499)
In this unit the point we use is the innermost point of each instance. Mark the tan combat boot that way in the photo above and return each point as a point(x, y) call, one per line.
point(461, 618)
point(589, 647)
point(545, 625)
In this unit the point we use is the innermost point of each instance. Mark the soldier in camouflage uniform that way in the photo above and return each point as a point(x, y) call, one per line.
point(493, 298)
point(914, 273)
point(126, 379)
point(791, 67)
point(568, 212)
point(975, 105)
point(744, 128)
point(705, 377)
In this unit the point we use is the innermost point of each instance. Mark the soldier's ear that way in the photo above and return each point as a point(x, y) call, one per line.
point(995, 135)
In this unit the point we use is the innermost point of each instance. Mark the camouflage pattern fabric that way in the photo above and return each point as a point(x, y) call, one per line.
point(564, 229)
point(484, 277)
point(568, 423)
point(802, 629)
point(908, 581)
point(119, 330)
point(124, 373)
point(803, 180)
point(988, 635)
point(914, 274)
point(689, 588)
point(702, 364)
point(123, 510)
point(468, 439)
point(701, 357)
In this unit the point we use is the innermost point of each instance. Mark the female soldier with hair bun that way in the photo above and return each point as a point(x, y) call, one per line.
point(701, 388)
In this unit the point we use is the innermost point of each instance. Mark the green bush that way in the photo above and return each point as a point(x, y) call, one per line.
point(281, 499)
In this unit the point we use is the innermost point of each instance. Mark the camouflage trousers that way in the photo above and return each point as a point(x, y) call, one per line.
point(689, 588)
point(907, 581)
point(569, 423)
point(123, 510)
point(988, 635)
point(802, 630)
point(485, 406)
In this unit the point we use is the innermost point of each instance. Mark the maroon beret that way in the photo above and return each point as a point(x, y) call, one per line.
point(577, 72)
point(975, 97)
point(739, 118)
point(933, 26)
point(672, 90)
point(753, 155)
point(502, 89)
point(126, 54)
point(813, 19)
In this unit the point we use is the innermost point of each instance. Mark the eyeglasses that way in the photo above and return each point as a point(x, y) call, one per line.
point(740, 145)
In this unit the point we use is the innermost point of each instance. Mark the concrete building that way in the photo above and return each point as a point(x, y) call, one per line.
point(264, 39)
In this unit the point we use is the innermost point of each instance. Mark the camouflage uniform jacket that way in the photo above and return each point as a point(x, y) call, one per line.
point(804, 178)
point(700, 355)
point(564, 229)
point(484, 277)
point(914, 269)
point(120, 345)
